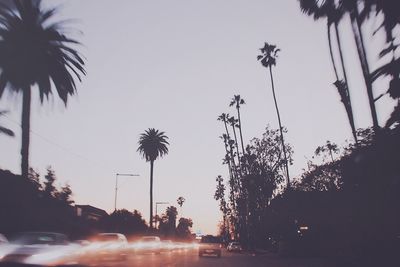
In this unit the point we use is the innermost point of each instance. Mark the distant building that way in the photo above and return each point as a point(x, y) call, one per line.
point(89, 212)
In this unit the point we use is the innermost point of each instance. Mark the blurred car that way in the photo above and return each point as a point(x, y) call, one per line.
point(148, 244)
point(210, 245)
point(105, 247)
point(234, 247)
point(167, 246)
point(39, 248)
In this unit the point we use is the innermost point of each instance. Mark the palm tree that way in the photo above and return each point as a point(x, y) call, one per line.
point(35, 51)
point(180, 202)
point(328, 147)
point(237, 101)
point(234, 123)
point(329, 10)
point(352, 7)
point(153, 144)
point(268, 59)
point(4, 130)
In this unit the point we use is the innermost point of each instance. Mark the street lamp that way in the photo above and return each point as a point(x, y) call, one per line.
point(159, 203)
point(116, 186)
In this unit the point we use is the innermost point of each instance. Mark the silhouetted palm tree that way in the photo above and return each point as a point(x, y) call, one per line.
point(237, 101)
point(233, 122)
point(328, 147)
point(333, 14)
point(152, 145)
point(180, 202)
point(268, 59)
point(352, 7)
point(34, 51)
point(229, 143)
point(4, 130)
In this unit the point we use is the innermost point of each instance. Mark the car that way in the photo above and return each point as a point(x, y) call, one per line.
point(210, 245)
point(105, 247)
point(39, 248)
point(148, 244)
point(167, 246)
point(234, 247)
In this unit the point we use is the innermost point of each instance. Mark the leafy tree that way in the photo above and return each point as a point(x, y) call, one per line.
point(183, 229)
point(65, 195)
point(35, 51)
point(153, 144)
point(268, 56)
point(220, 196)
point(34, 178)
point(49, 188)
point(168, 221)
point(124, 221)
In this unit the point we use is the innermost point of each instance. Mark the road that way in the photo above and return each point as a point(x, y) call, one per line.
point(191, 259)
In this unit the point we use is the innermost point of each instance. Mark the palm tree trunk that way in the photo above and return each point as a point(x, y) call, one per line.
point(349, 106)
point(25, 126)
point(240, 130)
point(331, 50)
point(356, 26)
point(151, 194)
point(280, 128)
point(237, 146)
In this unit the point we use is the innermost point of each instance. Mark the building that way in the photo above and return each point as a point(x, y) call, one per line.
point(89, 212)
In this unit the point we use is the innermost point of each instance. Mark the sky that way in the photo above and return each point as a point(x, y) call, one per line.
point(174, 66)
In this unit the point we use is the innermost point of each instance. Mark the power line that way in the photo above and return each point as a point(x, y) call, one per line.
point(47, 140)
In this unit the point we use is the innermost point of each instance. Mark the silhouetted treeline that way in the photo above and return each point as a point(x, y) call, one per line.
point(167, 227)
point(28, 204)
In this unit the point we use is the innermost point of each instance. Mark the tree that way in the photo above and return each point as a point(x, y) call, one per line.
point(333, 14)
point(237, 101)
point(268, 59)
point(65, 195)
point(125, 222)
point(328, 147)
point(234, 123)
point(219, 195)
point(35, 51)
point(352, 7)
point(167, 224)
point(49, 188)
point(4, 130)
point(153, 144)
point(180, 202)
point(183, 228)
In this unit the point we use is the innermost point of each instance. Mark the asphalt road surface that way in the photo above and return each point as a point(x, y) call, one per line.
point(191, 259)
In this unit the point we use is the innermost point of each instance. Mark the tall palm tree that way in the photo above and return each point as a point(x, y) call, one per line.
point(268, 59)
point(352, 7)
point(153, 144)
point(237, 101)
point(35, 51)
point(4, 130)
point(333, 14)
point(233, 122)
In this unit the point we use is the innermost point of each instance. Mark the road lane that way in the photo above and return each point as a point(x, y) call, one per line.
point(191, 259)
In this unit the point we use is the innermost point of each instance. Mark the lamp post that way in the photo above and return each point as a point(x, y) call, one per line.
point(116, 186)
point(159, 203)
